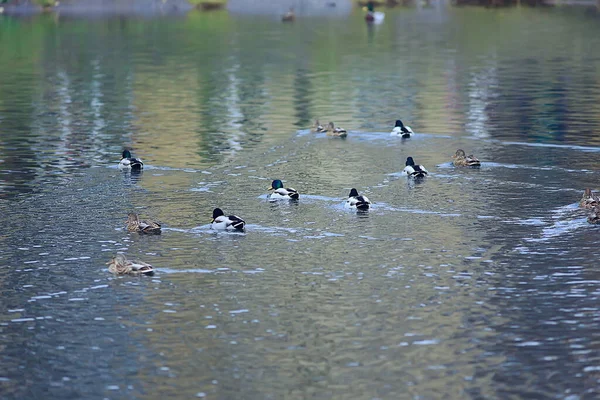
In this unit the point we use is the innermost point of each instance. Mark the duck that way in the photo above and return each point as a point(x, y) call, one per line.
point(281, 193)
point(594, 217)
point(372, 15)
point(230, 222)
point(589, 199)
point(357, 201)
point(134, 224)
point(289, 16)
point(120, 265)
point(401, 130)
point(318, 127)
point(414, 170)
point(128, 162)
point(337, 132)
point(462, 160)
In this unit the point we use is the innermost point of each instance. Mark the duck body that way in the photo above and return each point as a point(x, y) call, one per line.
point(589, 199)
point(120, 265)
point(400, 130)
point(414, 170)
point(289, 16)
point(372, 15)
point(356, 201)
point(318, 127)
point(332, 130)
point(281, 193)
point(461, 160)
point(223, 222)
point(134, 224)
point(129, 162)
point(594, 217)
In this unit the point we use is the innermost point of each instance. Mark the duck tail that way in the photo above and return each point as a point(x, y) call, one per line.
point(136, 165)
point(294, 196)
point(362, 205)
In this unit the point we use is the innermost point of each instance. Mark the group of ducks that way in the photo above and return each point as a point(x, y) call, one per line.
point(120, 265)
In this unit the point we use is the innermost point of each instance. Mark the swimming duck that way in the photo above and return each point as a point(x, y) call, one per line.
point(281, 193)
point(589, 199)
point(230, 222)
point(414, 170)
point(120, 265)
point(372, 15)
point(128, 162)
point(289, 16)
point(338, 132)
point(356, 201)
point(318, 127)
point(400, 130)
point(146, 226)
point(462, 160)
point(594, 217)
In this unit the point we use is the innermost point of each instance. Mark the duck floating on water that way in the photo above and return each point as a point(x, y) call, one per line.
point(318, 127)
point(281, 193)
point(459, 159)
point(357, 201)
point(120, 265)
point(128, 162)
point(134, 224)
point(332, 130)
point(401, 130)
point(589, 199)
point(230, 223)
point(289, 16)
point(414, 170)
point(594, 217)
point(373, 16)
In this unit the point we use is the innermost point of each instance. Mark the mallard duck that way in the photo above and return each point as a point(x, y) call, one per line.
point(414, 170)
point(146, 226)
point(462, 160)
point(289, 16)
point(402, 131)
point(281, 193)
point(120, 265)
point(230, 222)
point(318, 127)
point(594, 217)
point(128, 162)
point(357, 201)
point(372, 15)
point(338, 132)
point(589, 199)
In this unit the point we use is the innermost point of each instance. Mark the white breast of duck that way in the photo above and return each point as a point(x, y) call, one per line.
point(356, 201)
point(400, 130)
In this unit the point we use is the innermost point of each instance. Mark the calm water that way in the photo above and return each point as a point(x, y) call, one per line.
point(472, 284)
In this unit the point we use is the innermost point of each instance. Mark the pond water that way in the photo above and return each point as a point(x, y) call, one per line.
point(473, 283)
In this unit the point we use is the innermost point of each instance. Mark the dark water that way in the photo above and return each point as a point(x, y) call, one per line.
point(471, 284)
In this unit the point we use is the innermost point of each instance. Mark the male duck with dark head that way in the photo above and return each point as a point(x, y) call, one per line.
point(220, 221)
point(459, 159)
point(414, 170)
point(128, 162)
point(281, 193)
point(400, 130)
point(357, 201)
point(589, 199)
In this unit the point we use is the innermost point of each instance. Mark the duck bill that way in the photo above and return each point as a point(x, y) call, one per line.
point(271, 188)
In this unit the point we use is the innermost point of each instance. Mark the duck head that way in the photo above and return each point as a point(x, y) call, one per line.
point(460, 153)
point(276, 184)
point(410, 161)
point(399, 124)
point(217, 212)
point(126, 154)
point(353, 193)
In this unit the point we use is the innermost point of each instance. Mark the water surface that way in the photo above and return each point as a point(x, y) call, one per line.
point(474, 283)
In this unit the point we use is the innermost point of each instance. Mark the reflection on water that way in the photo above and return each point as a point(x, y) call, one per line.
point(471, 283)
